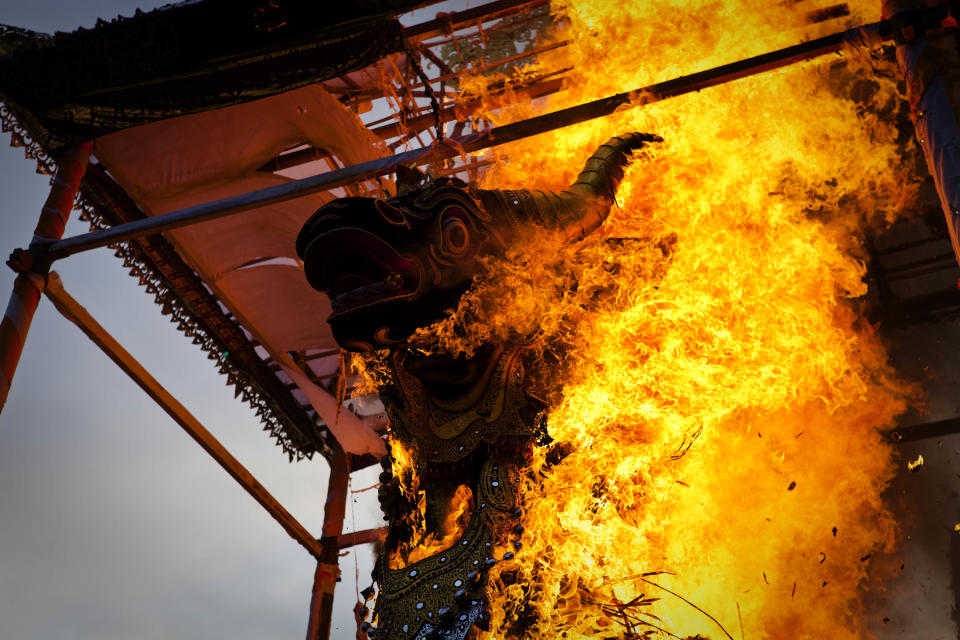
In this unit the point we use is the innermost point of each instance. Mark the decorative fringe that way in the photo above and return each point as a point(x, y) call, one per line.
point(170, 302)
point(20, 137)
point(171, 305)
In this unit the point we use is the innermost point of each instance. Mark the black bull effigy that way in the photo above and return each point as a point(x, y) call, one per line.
point(393, 266)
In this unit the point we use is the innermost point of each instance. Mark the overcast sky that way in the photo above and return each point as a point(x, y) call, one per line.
point(113, 522)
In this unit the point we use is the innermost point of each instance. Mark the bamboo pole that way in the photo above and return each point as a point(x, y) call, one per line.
point(32, 272)
point(75, 313)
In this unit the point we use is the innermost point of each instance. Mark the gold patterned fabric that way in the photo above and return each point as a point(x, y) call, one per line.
point(478, 431)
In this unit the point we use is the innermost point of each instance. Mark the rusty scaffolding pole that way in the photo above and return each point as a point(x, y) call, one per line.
point(326, 550)
point(328, 570)
point(78, 315)
point(31, 268)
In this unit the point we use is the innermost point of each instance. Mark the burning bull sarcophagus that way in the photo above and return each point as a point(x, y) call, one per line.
point(391, 267)
point(723, 319)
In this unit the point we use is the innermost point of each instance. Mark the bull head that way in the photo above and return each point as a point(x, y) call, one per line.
point(392, 266)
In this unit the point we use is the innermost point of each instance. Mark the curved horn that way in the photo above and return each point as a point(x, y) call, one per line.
point(583, 207)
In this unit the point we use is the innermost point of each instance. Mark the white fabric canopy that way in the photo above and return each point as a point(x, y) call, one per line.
point(248, 260)
point(354, 435)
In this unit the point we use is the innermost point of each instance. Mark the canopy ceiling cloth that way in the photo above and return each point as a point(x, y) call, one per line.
point(248, 260)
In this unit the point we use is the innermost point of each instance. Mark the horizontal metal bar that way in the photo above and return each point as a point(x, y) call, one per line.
point(465, 144)
point(460, 19)
point(885, 251)
point(931, 307)
point(347, 540)
point(465, 33)
point(419, 123)
point(496, 63)
point(943, 267)
point(916, 432)
point(243, 202)
point(924, 262)
point(828, 13)
point(533, 90)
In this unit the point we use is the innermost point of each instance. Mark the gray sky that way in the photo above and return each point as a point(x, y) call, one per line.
point(113, 523)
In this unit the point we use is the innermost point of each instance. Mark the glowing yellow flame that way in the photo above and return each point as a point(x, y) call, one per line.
point(407, 478)
point(425, 541)
point(455, 523)
point(719, 394)
point(914, 465)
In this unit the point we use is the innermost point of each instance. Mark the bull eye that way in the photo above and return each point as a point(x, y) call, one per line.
point(456, 234)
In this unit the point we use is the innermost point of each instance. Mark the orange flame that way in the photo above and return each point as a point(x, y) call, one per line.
point(405, 473)
point(425, 541)
point(454, 524)
point(719, 394)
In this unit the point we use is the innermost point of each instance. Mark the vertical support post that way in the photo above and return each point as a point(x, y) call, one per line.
point(31, 272)
point(325, 578)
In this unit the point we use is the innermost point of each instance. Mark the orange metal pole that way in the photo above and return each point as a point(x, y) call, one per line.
point(75, 313)
point(31, 273)
point(328, 570)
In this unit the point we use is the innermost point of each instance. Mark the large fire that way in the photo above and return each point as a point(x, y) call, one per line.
point(716, 394)
point(727, 335)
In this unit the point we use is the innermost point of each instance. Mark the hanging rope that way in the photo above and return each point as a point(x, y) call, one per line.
point(414, 61)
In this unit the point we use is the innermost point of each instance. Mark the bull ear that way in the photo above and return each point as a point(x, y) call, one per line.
point(410, 179)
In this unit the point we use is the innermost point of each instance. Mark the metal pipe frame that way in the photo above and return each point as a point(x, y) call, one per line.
point(455, 20)
point(326, 550)
point(914, 432)
point(465, 144)
point(78, 315)
point(328, 570)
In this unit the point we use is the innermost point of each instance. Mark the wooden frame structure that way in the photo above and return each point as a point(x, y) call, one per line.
point(414, 123)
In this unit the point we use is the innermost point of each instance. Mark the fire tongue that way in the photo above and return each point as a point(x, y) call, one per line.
point(697, 386)
point(454, 524)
